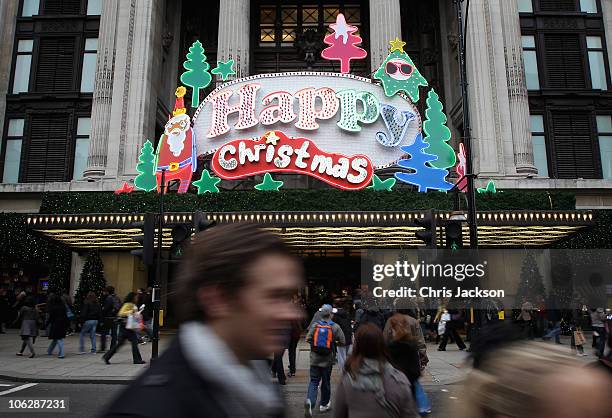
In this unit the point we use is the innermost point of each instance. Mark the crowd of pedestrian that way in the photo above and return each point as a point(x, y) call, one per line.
point(55, 319)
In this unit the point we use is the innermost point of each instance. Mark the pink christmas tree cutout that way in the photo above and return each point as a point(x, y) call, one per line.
point(343, 44)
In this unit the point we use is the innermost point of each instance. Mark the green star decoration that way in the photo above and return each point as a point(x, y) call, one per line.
point(224, 69)
point(269, 184)
point(207, 183)
point(379, 185)
point(489, 189)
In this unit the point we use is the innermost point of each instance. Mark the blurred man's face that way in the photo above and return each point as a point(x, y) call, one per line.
point(260, 315)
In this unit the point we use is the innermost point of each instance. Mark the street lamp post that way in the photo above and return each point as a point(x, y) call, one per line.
point(467, 130)
point(155, 297)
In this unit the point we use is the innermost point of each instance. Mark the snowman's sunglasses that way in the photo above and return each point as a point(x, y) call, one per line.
point(405, 69)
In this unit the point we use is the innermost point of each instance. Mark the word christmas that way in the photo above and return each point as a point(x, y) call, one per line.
point(313, 104)
point(276, 152)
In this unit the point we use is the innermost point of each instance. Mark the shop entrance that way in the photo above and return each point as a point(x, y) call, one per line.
point(332, 276)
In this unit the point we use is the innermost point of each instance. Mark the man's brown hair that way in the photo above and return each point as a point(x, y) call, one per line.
point(219, 256)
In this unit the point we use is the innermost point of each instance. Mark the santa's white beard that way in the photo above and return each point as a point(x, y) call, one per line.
point(176, 142)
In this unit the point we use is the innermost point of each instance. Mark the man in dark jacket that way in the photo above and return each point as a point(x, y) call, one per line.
point(341, 317)
point(233, 300)
point(110, 307)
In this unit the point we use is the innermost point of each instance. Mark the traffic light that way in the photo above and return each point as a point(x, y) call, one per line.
point(454, 234)
point(146, 239)
point(430, 235)
point(201, 221)
point(180, 233)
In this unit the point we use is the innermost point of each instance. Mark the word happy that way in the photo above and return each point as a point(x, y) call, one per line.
point(313, 104)
point(276, 152)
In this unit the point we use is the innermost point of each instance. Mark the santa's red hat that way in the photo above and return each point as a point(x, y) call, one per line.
point(179, 105)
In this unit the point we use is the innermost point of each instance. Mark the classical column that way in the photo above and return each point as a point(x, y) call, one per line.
point(132, 118)
point(385, 25)
point(492, 149)
point(234, 32)
point(103, 91)
point(517, 89)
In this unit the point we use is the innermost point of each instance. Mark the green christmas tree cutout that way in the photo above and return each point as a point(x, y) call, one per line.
point(490, 188)
point(382, 185)
point(269, 184)
point(224, 69)
point(437, 133)
point(398, 73)
point(197, 76)
point(146, 179)
point(207, 183)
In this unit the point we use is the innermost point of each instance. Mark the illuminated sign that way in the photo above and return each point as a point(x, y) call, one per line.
point(276, 152)
point(341, 113)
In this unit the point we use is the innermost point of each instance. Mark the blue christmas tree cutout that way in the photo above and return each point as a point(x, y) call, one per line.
point(424, 176)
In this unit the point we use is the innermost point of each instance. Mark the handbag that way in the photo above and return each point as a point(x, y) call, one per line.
point(421, 399)
point(579, 338)
point(134, 321)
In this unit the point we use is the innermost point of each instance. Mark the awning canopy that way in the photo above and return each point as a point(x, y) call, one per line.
point(508, 229)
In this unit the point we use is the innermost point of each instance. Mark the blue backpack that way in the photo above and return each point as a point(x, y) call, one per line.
point(322, 338)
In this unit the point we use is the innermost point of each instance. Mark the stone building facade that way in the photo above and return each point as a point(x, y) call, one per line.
point(547, 130)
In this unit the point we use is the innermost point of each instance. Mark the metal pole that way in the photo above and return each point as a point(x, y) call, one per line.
point(156, 287)
point(467, 130)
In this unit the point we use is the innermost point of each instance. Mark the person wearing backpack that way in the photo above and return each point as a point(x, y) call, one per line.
point(322, 335)
point(110, 307)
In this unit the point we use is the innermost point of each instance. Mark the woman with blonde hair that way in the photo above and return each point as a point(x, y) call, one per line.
point(525, 380)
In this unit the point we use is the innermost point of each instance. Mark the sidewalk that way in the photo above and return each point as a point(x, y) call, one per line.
point(444, 368)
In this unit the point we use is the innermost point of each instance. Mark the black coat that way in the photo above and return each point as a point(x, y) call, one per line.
point(342, 318)
point(170, 388)
point(404, 356)
point(58, 321)
point(374, 316)
point(91, 311)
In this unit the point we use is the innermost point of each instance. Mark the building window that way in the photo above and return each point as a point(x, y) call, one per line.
point(564, 61)
point(525, 6)
point(46, 157)
point(538, 139)
point(288, 32)
point(531, 63)
point(558, 5)
point(12, 157)
point(597, 63)
point(574, 148)
point(23, 63)
point(62, 7)
point(81, 147)
point(604, 133)
point(94, 7)
point(88, 75)
point(30, 8)
point(55, 68)
point(278, 26)
point(588, 6)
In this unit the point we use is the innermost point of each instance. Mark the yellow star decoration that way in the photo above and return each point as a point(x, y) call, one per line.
point(397, 45)
point(272, 138)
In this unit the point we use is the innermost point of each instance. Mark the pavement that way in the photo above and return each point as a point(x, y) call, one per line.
point(445, 368)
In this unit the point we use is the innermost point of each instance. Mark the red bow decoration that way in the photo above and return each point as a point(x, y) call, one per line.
point(126, 188)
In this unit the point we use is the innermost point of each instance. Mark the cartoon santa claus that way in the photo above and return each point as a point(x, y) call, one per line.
point(176, 151)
